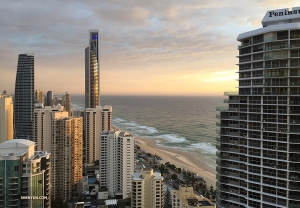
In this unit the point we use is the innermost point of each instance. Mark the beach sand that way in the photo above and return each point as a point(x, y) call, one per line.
point(179, 158)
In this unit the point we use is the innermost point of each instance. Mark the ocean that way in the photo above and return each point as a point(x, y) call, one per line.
point(185, 123)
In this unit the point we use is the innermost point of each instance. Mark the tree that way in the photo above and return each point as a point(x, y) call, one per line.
point(162, 169)
point(207, 195)
point(183, 172)
point(174, 177)
point(168, 200)
point(211, 190)
point(179, 170)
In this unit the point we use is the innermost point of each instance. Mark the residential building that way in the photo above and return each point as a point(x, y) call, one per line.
point(67, 103)
point(24, 97)
point(24, 172)
point(66, 162)
point(49, 99)
point(92, 73)
point(42, 126)
point(258, 161)
point(147, 189)
point(116, 163)
point(39, 97)
point(96, 120)
point(6, 117)
point(185, 197)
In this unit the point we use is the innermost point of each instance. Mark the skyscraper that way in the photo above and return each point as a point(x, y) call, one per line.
point(24, 97)
point(66, 162)
point(24, 172)
point(92, 72)
point(49, 99)
point(67, 103)
point(6, 117)
point(96, 120)
point(38, 96)
point(258, 161)
point(42, 126)
point(117, 163)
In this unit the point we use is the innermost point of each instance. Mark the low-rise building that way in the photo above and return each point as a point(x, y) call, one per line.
point(184, 197)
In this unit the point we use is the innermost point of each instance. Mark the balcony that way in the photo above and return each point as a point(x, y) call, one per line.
point(222, 108)
point(275, 47)
point(231, 93)
point(294, 187)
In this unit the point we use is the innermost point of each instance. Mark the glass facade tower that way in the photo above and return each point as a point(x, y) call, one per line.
point(258, 162)
point(92, 73)
point(24, 97)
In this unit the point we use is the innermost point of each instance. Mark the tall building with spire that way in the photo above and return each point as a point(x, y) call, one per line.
point(92, 72)
point(258, 161)
point(24, 97)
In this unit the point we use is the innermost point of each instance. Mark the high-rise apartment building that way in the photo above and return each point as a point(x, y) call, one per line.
point(147, 189)
point(6, 117)
point(42, 126)
point(116, 163)
point(258, 161)
point(38, 96)
point(49, 99)
point(66, 162)
point(24, 172)
point(24, 97)
point(96, 120)
point(67, 103)
point(92, 72)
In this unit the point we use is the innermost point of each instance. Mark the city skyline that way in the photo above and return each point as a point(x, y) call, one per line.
point(145, 48)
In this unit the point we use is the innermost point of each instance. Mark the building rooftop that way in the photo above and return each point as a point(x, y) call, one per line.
point(16, 143)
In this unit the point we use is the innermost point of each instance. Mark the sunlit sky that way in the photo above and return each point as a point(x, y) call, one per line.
point(169, 47)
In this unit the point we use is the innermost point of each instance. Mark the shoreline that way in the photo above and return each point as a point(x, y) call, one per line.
point(179, 158)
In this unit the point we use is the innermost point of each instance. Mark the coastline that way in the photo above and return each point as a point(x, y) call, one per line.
point(179, 159)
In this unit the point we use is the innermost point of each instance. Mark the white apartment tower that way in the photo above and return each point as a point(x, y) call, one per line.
point(24, 172)
point(66, 163)
point(258, 161)
point(97, 120)
point(147, 189)
point(116, 162)
point(42, 125)
point(6, 117)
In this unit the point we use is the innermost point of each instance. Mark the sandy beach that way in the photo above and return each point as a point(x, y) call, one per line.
point(179, 159)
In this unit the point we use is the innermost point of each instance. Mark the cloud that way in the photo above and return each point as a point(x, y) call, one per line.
point(142, 43)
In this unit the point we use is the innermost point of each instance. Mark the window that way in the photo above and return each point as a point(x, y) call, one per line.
point(16, 168)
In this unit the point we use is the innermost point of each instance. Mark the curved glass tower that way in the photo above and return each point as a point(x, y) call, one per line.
point(258, 161)
point(24, 97)
point(92, 73)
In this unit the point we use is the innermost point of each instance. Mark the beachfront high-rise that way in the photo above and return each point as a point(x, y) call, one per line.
point(92, 73)
point(42, 126)
point(97, 120)
point(6, 117)
point(24, 97)
point(24, 172)
point(258, 161)
point(67, 103)
point(116, 163)
point(147, 189)
point(66, 162)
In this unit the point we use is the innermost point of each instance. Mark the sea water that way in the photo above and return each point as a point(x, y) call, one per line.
point(185, 123)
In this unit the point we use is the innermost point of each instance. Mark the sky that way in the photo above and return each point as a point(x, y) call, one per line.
point(169, 47)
